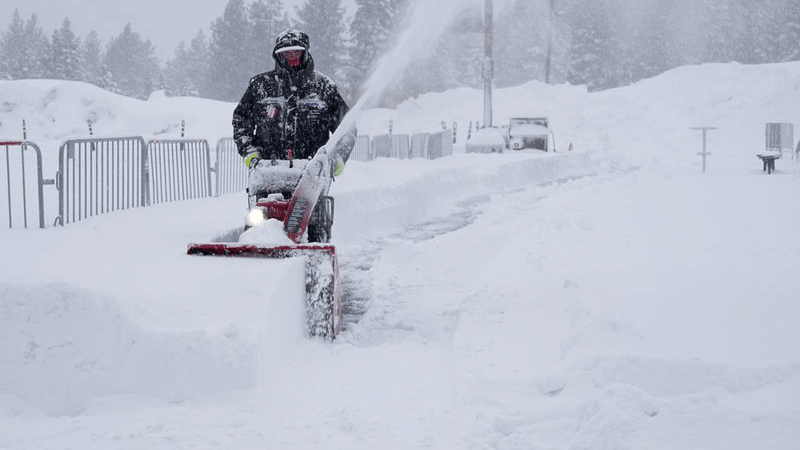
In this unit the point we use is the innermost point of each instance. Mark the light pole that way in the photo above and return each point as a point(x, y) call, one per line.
point(549, 43)
point(488, 64)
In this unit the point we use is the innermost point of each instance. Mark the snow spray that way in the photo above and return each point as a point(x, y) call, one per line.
point(429, 20)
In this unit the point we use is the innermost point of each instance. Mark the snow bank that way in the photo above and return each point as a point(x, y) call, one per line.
point(389, 194)
point(64, 346)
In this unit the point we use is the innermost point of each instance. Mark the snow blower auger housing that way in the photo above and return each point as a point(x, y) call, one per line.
point(294, 192)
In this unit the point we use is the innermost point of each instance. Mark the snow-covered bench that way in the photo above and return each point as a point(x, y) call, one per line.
point(768, 158)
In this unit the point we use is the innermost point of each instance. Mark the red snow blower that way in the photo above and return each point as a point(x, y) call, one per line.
point(294, 192)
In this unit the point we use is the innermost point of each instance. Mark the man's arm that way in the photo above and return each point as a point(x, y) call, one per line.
point(243, 121)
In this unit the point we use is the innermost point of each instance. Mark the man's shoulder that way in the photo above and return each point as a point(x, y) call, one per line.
point(322, 79)
point(264, 77)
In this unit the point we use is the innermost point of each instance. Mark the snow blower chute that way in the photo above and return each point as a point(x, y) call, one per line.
point(293, 192)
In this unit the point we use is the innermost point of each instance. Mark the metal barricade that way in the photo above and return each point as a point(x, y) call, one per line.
point(400, 146)
point(229, 169)
point(179, 169)
point(101, 175)
point(419, 145)
point(382, 146)
point(779, 137)
point(361, 151)
point(21, 185)
point(440, 144)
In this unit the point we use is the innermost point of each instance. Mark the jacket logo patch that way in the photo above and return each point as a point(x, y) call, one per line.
point(272, 111)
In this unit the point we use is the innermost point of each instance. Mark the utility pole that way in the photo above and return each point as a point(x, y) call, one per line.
point(549, 42)
point(488, 64)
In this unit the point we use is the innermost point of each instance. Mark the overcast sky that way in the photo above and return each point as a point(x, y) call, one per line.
point(165, 22)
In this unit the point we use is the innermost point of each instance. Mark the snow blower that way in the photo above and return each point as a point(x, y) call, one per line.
point(293, 193)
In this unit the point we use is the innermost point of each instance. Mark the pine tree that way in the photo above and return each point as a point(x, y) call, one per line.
point(92, 60)
point(371, 32)
point(590, 52)
point(520, 48)
point(132, 66)
point(228, 74)
point(324, 22)
point(267, 19)
point(23, 48)
point(12, 48)
point(36, 48)
point(187, 72)
point(65, 54)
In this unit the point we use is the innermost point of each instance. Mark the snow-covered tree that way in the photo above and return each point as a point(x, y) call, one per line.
point(131, 65)
point(324, 22)
point(186, 73)
point(371, 31)
point(229, 57)
point(23, 48)
point(520, 49)
point(64, 62)
point(590, 52)
point(267, 19)
point(12, 59)
point(92, 60)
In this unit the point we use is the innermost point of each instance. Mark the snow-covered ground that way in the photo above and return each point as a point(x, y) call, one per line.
point(612, 297)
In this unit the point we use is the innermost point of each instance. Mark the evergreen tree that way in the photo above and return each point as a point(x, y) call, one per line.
point(371, 32)
point(132, 66)
point(324, 22)
point(92, 60)
point(23, 48)
point(229, 59)
point(65, 54)
point(520, 48)
point(187, 72)
point(590, 52)
point(37, 48)
point(12, 58)
point(267, 19)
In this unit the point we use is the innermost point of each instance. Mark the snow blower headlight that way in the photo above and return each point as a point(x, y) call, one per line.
point(255, 217)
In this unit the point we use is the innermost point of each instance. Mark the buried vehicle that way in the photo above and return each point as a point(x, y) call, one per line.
point(521, 133)
point(528, 132)
point(295, 194)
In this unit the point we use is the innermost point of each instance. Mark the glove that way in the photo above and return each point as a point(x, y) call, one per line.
point(337, 165)
point(252, 157)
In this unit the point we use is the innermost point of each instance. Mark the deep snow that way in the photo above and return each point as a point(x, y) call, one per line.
point(613, 297)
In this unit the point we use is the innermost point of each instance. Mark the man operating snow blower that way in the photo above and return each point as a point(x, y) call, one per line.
point(284, 118)
point(285, 128)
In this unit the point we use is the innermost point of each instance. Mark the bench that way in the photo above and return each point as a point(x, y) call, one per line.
point(769, 161)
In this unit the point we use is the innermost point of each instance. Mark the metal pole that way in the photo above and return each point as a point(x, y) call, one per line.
point(549, 43)
point(488, 64)
point(704, 153)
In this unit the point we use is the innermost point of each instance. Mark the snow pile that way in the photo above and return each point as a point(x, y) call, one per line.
point(62, 347)
point(268, 233)
point(57, 110)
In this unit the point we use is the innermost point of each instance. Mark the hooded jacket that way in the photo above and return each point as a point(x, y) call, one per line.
point(290, 108)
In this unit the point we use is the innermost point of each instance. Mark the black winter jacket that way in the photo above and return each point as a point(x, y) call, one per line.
point(290, 109)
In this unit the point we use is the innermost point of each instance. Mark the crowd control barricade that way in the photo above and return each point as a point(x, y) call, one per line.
point(361, 151)
point(179, 169)
point(779, 137)
point(440, 144)
point(419, 145)
point(229, 169)
point(381, 146)
point(400, 146)
point(22, 181)
point(100, 175)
